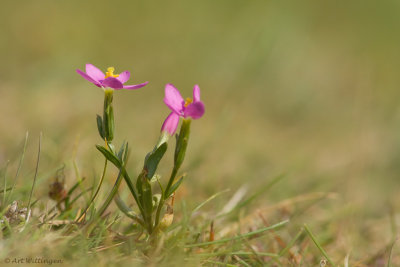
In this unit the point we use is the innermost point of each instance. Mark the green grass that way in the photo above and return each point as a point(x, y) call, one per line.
point(306, 89)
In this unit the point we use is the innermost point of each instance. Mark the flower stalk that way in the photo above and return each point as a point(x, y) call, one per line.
point(150, 205)
point(108, 116)
point(180, 151)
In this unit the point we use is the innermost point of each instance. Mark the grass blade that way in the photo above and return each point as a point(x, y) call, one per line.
point(318, 245)
point(5, 189)
point(21, 160)
point(389, 264)
point(291, 243)
point(209, 199)
point(239, 237)
point(34, 177)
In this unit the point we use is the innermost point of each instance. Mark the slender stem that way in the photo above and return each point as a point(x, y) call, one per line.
point(171, 181)
point(35, 177)
point(97, 191)
point(132, 189)
point(79, 179)
point(164, 196)
point(110, 196)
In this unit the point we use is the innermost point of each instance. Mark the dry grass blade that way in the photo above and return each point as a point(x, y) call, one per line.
point(239, 237)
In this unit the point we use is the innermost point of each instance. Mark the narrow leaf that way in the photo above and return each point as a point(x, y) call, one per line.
point(318, 245)
point(100, 125)
point(121, 151)
point(174, 187)
point(151, 163)
point(181, 143)
point(108, 155)
point(240, 237)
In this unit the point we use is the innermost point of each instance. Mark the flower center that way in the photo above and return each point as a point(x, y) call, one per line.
point(110, 73)
point(188, 102)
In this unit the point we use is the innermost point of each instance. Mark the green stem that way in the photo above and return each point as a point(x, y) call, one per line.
point(164, 196)
point(180, 150)
point(108, 115)
point(97, 191)
point(110, 196)
point(132, 189)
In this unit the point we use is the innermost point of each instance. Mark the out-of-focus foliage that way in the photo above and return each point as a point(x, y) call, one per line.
point(309, 87)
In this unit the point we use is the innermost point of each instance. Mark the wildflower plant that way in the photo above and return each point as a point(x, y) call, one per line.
point(154, 213)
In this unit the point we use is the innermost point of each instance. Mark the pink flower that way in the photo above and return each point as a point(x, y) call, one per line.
point(181, 108)
point(111, 80)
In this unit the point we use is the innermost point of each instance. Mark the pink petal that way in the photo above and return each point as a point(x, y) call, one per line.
point(173, 98)
point(124, 76)
point(94, 72)
point(171, 123)
point(194, 110)
point(136, 86)
point(196, 93)
point(84, 75)
point(112, 83)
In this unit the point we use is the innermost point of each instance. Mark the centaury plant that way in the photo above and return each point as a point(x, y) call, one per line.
point(154, 213)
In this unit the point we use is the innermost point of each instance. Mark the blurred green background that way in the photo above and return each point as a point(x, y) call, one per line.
point(307, 88)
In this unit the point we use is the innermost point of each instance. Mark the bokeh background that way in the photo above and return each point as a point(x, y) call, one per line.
point(306, 88)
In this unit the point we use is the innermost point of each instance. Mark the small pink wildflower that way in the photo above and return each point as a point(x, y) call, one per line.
point(108, 80)
point(181, 108)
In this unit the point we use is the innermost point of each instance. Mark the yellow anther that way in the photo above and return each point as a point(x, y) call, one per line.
point(110, 73)
point(188, 102)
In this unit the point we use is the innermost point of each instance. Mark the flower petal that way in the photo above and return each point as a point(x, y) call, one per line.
point(94, 72)
point(136, 86)
point(196, 93)
point(173, 98)
point(84, 75)
point(171, 123)
point(112, 83)
point(124, 76)
point(194, 110)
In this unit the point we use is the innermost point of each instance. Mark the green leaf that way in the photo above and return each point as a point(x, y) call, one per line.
point(125, 155)
point(110, 156)
point(75, 186)
point(147, 197)
point(121, 152)
point(127, 211)
point(100, 126)
point(139, 187)
point(174, 187)
point(112, 147)
point(181, 143)
point(151, 163)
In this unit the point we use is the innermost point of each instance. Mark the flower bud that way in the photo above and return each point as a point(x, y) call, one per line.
point(108, 115)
